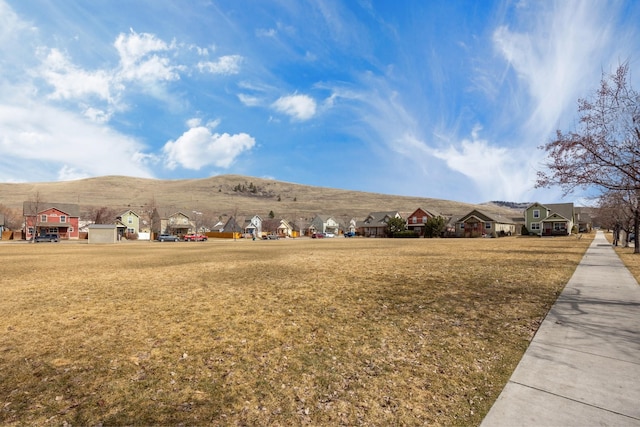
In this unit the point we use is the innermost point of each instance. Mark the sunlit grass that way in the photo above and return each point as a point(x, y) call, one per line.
point(289, 332)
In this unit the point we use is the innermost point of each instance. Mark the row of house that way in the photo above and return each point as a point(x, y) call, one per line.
point(538, 219)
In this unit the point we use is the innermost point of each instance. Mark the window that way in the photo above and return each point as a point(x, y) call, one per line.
point(536, 213)
point(129, 220)
point(535, 226)
point(487, 225)
point(424, 219)
point(559, 226)
point(63, 218)
point(131, 230)
point(462, 226)
point(414, 220)
point(43, 218)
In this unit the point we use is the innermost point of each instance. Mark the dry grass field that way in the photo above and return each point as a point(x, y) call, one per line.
point(289, 332)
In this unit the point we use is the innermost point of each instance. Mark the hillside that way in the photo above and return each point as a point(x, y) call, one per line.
point(225, 195)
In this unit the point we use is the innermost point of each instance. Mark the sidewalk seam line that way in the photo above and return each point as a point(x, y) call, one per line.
point(586, 352)
point(575, 400)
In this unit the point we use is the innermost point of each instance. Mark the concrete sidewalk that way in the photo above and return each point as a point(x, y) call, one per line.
point(582, 368)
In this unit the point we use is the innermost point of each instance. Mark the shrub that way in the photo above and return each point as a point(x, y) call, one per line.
point(408, 234)
point(524, 231)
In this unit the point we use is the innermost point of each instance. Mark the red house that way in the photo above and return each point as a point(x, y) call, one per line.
point(54, 218)
point(417, 219)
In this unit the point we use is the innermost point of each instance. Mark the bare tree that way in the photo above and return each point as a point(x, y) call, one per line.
point(604, 152)
point(12, 218)
point(616, 212)
point(30, 211)
point(102, 215)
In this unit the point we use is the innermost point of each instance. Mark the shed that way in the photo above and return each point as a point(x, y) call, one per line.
point(103, 233)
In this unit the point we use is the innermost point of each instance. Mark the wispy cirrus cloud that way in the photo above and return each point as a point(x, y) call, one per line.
point(229, 64)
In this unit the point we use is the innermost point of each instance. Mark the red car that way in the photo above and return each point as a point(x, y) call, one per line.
point(317, 236)
point(195, 238)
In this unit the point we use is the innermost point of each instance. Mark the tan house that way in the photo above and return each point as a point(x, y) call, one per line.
point(481, 224)
point(375, 224)
point(130, 220)
point(177, 224)
point(285, 229)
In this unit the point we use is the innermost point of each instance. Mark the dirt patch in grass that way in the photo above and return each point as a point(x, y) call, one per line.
point(288, 332)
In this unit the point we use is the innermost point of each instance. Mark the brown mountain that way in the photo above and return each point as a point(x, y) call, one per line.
point(225, 195)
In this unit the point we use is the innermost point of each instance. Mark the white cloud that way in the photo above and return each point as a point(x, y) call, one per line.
point(557, 52)
point(199, 147)
point(139, 58)
point(249, 100)
point(67, 173)
point(496, 172)
point(195, 122)
point(229, 64)
point(41, 139)
point(71, 82)
point(97, 115)
point(299, 107)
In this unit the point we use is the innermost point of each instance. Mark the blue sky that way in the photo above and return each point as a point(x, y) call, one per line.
point(443, 99)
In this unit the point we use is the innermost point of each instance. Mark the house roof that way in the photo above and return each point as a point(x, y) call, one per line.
point(129, 211)
point(565, 210)
point(102, 226)
point(428, 212)
point(487, 217)
point(376, 219)
point(30, 208)
point(233, 224)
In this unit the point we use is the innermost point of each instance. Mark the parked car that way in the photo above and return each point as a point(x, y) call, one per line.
point(273, 237)
point(349, 234)
point(329, 235)
point(317, 236)
point(49, 237)
point(195, 237)
point(167, 238)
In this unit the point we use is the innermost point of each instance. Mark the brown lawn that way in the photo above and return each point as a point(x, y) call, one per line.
point(289, 332)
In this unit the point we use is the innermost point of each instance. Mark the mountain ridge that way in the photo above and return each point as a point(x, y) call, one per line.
point(227, 195)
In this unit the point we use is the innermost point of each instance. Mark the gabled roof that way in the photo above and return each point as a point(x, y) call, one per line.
point(487, 217)
point(285, 224)
point(233, 224)
point(428, 212)
point(377, 219)
point(565, 210)
point(178, 214)
point(29, 208)
point(323, 218)
point(129, 211)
